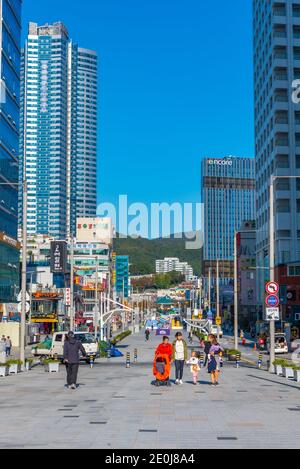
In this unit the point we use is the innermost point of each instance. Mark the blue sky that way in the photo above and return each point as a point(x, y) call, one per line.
point(175, 85)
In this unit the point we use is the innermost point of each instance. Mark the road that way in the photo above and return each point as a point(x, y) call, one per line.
point(117, 408)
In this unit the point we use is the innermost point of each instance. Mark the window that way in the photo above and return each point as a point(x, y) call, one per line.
point(283, 184)
point(294, 271)
point(282, 161)
point(283, 206)
point(283, 234)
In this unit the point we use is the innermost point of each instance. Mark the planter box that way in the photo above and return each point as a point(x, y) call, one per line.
point(297, 376)
point(288, 373)
point(14, 369)
point(3, 371)
point(52, 368)
point(278, 370)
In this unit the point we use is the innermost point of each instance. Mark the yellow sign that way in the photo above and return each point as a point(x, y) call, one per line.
point(47, 321)
point(219, 321)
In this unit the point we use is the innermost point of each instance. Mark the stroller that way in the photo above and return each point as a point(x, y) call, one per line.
point(162, 370)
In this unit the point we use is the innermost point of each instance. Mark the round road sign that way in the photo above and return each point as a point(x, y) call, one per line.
point(272, 301)
point(272, 288)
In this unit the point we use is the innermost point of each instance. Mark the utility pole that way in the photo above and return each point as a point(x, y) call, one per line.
point(218, 296)
point(236, 318)
point(24, 276)
point(209, 289)
point(272, 272)
point(72, 286)
point(96, 320)
point(101, 316)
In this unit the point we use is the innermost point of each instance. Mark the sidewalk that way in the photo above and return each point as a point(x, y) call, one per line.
point(118, 408)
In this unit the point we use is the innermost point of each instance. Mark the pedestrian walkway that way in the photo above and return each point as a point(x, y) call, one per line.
point(117, 408)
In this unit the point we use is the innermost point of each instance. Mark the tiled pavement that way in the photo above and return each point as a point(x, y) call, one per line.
point(117, 408)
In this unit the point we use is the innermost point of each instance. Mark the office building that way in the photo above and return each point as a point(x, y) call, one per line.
point(246, 260)
point(276, 31)
point(59, 129)
point(228, 195)
point(10, 37)
point(122, 276)
point(92, 262)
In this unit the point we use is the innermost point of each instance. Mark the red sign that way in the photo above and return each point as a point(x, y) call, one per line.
point(272, 288)
point(272, 301)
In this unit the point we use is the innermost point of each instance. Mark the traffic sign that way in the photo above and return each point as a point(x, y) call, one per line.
point(273, 314)
point(272, 301)
point(20, 297)
point(272, 288)
point(218, 321)
point(20, 307)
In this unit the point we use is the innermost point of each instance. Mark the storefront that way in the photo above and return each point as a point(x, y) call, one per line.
point(45, 311)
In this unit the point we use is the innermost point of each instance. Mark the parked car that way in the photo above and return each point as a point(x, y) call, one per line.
point(281, 345)
point(56, 347)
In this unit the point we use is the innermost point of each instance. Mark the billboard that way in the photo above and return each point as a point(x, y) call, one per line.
point(59, 257)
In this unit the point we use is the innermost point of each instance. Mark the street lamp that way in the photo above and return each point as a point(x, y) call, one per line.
point(24, 266)
point(272, 261)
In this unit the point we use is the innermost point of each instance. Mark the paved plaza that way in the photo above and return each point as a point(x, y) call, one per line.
point(117, 408)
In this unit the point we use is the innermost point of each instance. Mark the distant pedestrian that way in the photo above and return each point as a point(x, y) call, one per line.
point(213, 367)
point(207, 347)
point(180, 355)
point(147, 334)
point(3, 350)
point(195, 368)
point(72, 349)
point(8, 346)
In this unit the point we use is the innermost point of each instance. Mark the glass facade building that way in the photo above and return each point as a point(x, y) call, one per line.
point(276, 31)
point(122, 276)
point(10, 34)
point(59, 126)
point(228, 195)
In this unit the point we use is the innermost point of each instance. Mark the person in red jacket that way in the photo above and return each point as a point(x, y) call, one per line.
point(162, 363)
point(165, 348)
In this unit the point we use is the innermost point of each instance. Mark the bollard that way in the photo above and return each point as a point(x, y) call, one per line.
point(202, 360)
point(128, 360)
point(221, 360)
point(135, 355)
point(260, 361)
point(92, 362)
point(238, 360)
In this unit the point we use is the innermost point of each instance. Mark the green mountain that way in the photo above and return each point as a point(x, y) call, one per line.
point(144, 252)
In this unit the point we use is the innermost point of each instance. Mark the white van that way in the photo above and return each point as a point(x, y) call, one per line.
point(57, 348)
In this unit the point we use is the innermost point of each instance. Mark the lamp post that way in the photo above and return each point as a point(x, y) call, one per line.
point(236, 306)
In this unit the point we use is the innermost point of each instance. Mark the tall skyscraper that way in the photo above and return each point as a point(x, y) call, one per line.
point(59, 126)
point(277, 128)
point(228, 194)
point(10, 36)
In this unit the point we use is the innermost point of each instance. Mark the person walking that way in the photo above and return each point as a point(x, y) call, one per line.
point(147, 334)
point(3, 350)
point(213, 367)
point(8, 346)
point(180, 355)
point(207, 347)
point(195, 368)
point(72, 349)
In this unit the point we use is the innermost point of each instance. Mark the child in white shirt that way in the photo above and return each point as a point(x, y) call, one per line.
point(195, 368)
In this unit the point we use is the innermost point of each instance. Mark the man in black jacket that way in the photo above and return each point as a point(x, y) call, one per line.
point(72, 349)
